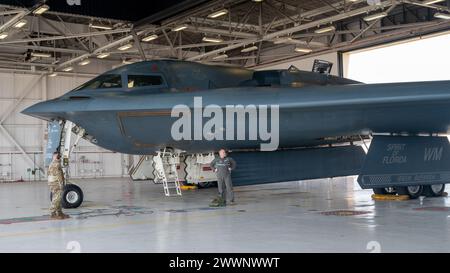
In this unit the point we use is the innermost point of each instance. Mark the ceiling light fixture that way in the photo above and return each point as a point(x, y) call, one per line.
point(125, 47)
point(21, 23)
point(325, 29)
point(103, 27)
point(441, 15)
point(212, 40)
point(282, 40)
point(103, 55)
point(84, 62)
point(220, 57)
point(40, 10)
point(218, 13)
point(179, 28)
point(41, 55)
point(68, 69)
point(375, 16)
point(131, 61)
point(431, 2)
point(3, 35)
point(249, 49)
point(303, 50)
point(150, 38)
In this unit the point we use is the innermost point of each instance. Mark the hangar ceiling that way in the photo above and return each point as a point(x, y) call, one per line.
point(65, 39)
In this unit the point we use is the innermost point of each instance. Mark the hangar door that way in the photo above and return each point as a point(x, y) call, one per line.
point(425, 58)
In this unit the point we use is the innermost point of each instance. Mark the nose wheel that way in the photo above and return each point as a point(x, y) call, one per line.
point(72, 197)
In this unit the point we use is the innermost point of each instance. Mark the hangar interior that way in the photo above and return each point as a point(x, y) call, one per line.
point(48, 48)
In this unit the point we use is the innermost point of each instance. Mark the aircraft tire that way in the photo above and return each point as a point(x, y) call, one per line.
point(434, 190)
point(414, 192)
point(206, 185)
point(72, 196)
point(380, 191)
point(383, 191)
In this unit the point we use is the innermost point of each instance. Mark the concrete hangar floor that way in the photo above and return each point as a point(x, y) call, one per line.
point(309, 216)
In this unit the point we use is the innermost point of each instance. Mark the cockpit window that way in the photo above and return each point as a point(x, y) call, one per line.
point(103, 82)
point(135, 81)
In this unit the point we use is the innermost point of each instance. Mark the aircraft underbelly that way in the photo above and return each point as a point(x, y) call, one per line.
point(143, 132)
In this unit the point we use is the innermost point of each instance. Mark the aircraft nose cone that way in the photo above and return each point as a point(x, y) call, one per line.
point(43, 110)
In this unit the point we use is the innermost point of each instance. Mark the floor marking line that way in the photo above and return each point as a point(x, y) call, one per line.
point(99, 227)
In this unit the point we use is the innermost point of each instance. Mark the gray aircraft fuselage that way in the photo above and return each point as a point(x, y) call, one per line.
point(314, 108)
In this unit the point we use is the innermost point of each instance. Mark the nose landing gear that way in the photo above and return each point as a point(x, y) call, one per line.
point(72, 194)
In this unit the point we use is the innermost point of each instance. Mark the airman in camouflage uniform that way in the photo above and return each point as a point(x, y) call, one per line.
point(56, 184)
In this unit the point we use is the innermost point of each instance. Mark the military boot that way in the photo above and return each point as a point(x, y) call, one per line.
point(218, 202)
point(62, 216)
point(65, 216)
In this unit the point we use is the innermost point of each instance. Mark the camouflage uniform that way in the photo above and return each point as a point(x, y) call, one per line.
point(56, 182)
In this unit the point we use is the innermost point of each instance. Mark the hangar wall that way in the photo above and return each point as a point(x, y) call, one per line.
point(18, 91)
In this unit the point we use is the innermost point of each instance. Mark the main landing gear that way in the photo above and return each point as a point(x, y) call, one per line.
point(414, 192)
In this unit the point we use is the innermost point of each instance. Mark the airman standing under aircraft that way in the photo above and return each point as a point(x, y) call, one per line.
point(222, 166)
point(56, 184)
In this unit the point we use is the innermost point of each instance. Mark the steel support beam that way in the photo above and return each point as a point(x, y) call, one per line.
point(65, 37)
point(372, 24)
point(16, 18)
point(226, 24)
point(428, 27)
point(301, 27)
point(222, 32)
point(431, 6)
point(137, 42)
point(25, 92)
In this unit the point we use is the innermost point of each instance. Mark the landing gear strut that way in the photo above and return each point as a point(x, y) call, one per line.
point(72, 194)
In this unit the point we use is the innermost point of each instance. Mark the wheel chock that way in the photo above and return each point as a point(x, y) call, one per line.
point(390, 197)
point(188, 187)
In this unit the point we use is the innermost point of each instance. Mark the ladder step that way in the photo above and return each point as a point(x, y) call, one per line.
point(166, 171)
